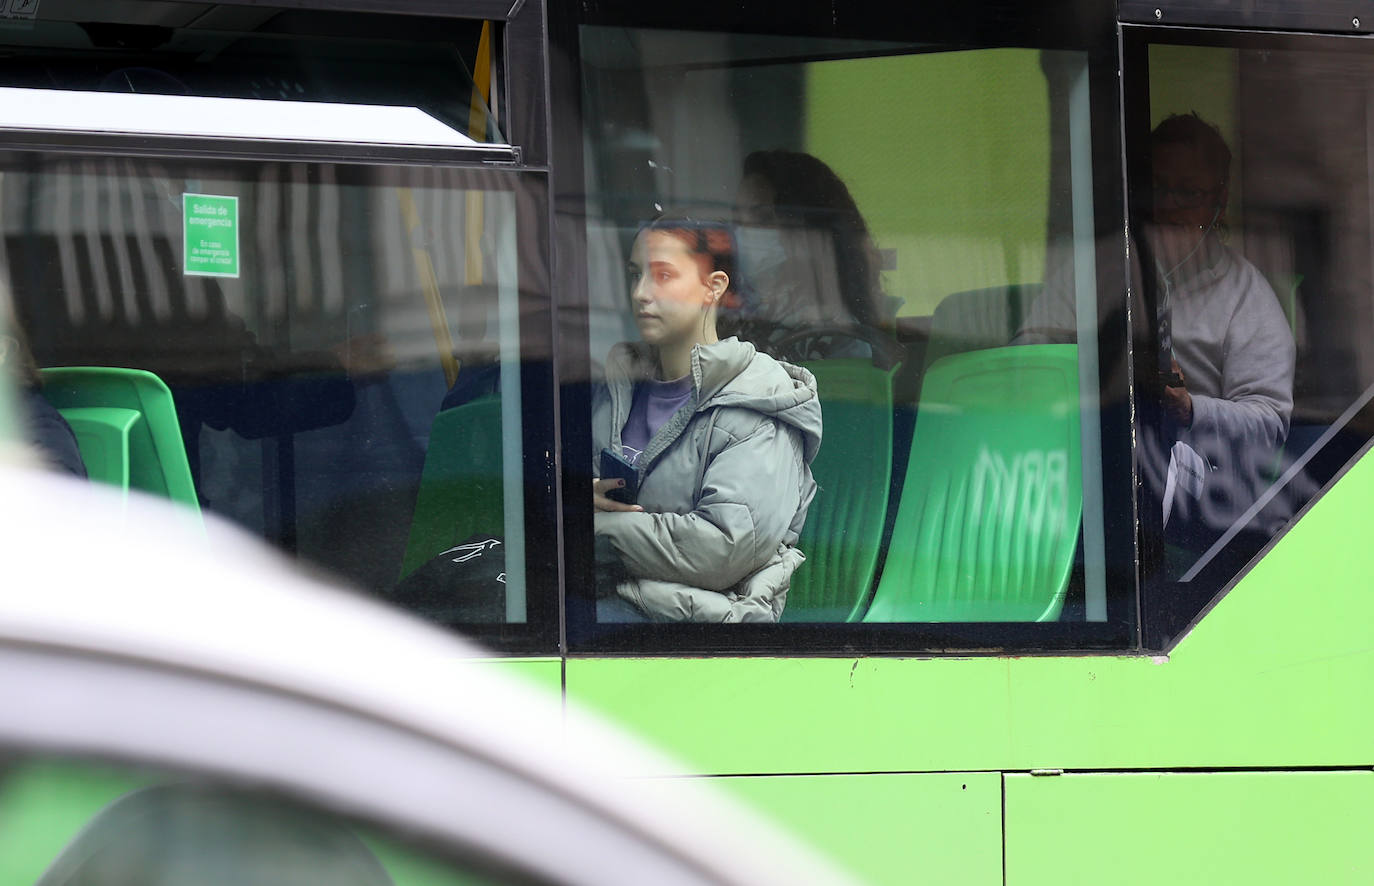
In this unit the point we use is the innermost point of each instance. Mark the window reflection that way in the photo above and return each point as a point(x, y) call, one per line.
point(1225, 348)
point(351, 392)
point(1290, 223)
point(808, 259)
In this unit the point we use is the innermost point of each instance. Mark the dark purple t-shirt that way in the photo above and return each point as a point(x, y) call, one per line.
point(654, 403)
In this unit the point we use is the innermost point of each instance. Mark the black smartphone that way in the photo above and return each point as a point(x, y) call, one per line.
point(613, 465)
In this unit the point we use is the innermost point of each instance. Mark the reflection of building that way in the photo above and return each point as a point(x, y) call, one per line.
point(674, 132)
point(97, 243)
point(306, 385)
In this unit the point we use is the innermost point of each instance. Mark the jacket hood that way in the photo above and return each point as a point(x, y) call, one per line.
point(733, 373)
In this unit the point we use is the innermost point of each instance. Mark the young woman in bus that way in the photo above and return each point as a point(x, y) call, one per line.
point(717, 437)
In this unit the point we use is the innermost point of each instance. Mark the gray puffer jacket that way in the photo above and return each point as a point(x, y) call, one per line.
point(724, 484)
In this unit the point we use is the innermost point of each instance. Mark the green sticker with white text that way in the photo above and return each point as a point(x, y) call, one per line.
point(211, 227)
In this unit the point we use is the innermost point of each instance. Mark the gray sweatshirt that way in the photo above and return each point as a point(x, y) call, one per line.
point(1234, 346)
point(1231, 340)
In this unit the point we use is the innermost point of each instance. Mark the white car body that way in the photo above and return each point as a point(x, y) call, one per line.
point(128, 632)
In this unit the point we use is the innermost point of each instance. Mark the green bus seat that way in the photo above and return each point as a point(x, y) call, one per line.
point(126, 428)
point(990, 511)
point(102, 435)
point(853, 470)
point(461, 485)
point(978, 319)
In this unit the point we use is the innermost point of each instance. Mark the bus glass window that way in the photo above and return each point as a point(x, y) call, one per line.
point(341, 333)
point(875, 225)
point(1256, 227)
point(342, 345)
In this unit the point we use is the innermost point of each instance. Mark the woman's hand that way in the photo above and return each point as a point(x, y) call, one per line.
point(602, 503)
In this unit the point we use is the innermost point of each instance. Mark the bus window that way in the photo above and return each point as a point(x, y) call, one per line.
point(231, 201)
point(1257, 230)
point(813, 271)
point(346, 321)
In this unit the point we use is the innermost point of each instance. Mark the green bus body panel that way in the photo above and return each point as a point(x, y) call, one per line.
point(1190, 828)
point(892, 829)
point(1277, 675)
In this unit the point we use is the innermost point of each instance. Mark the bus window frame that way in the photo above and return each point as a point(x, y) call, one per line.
point(521, 60)
point(521, 63)
point(1095, 34)
point(1330, 16)
point(282, 150)
point(1170, 610)
point(540, 633)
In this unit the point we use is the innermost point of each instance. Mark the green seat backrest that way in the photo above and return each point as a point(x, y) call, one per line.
point(102, 435)
point(126, 428)
point(978, 318)
point(988, 520)
point(853, 471)
point(461, 485)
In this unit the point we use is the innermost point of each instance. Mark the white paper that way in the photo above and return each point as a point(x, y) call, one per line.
point(1187, 476)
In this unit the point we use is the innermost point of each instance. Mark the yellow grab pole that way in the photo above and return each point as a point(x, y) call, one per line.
point(472, 246)
point(429, 284)
point(477, 129)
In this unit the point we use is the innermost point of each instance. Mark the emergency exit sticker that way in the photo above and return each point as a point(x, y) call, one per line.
point(211, 226)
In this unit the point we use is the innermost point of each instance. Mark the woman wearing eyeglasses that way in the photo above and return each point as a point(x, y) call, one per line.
point(1226, 350)
point(1230, 393)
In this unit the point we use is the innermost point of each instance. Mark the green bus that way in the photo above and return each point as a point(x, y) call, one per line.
point(1084, 290)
